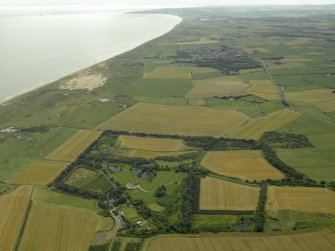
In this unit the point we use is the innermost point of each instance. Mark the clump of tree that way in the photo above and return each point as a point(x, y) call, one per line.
point(160, 191)
point(187, 203)
point(141, 208)
point(285, 140)
point(260, 210)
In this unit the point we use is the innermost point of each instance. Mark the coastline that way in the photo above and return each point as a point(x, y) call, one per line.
point(6, 101)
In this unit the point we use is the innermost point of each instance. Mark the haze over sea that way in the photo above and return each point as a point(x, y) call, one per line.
point(40, 45)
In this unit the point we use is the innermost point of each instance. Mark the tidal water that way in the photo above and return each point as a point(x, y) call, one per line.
point(38, 46)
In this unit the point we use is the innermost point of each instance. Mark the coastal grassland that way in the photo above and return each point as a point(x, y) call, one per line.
point(51, 227)
point(74, 146)
point(243, 164)
point(304, 199)
point(22, 150)
point(150, 144)
point(87, 179)
point(83, 118)
point(254, 128)
point(13, 210)
point(299, 241)
point(317, 163)
point(166, 119)
point(40, 172)
point(159, 88)
point(174, 72)
point(217, 194)
point(324, 99)
point(218, 87)
point(264, 89)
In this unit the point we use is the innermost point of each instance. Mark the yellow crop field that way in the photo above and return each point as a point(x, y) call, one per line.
point(13, 208)
point(179, 120)
point(322, 98)
point(308, 199)
point(217, 194)
point(41, 172)
point(264, 89)
point(221, 86)
point(304, 241)
point(242, 164)
point(299, 41)
point(170, 72)
point(150, 144)
point(254, 128)
point(74, 146)
point(51, 227)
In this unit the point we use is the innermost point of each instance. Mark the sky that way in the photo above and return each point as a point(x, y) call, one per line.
point(164, 3)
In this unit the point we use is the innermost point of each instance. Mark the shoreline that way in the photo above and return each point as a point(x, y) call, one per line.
point(7, 101)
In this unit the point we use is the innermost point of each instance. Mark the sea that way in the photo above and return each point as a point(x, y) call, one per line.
point(39, 45)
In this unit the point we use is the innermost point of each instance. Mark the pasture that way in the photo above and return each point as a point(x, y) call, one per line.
point(13, 210)
point(264, 89)
point(74, 146)
point(243, 164)
point(177, 120)
point(317, 163)
point(150, 144)
point(254, 128)
point(51, 227)
point(217, 194)
point(306, 199)
point(298, 241)
point(40, 172)
point(88, 180)
point(218, 87)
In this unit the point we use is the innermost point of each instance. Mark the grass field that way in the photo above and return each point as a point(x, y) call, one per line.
point(264, 89)
point(150, 144)
point(13, 209)
point(131, 213)
point(41, 172)
point(217, 194)
point(298, 41)
point(304, 241)
point(219, 87)
point(317, 163)
point(51, 227)
point(164, 119)
point(301, 199)
point(74, 146)
point(244, 164)
point(88, 180)
point(155, 207)
point(254, 128)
